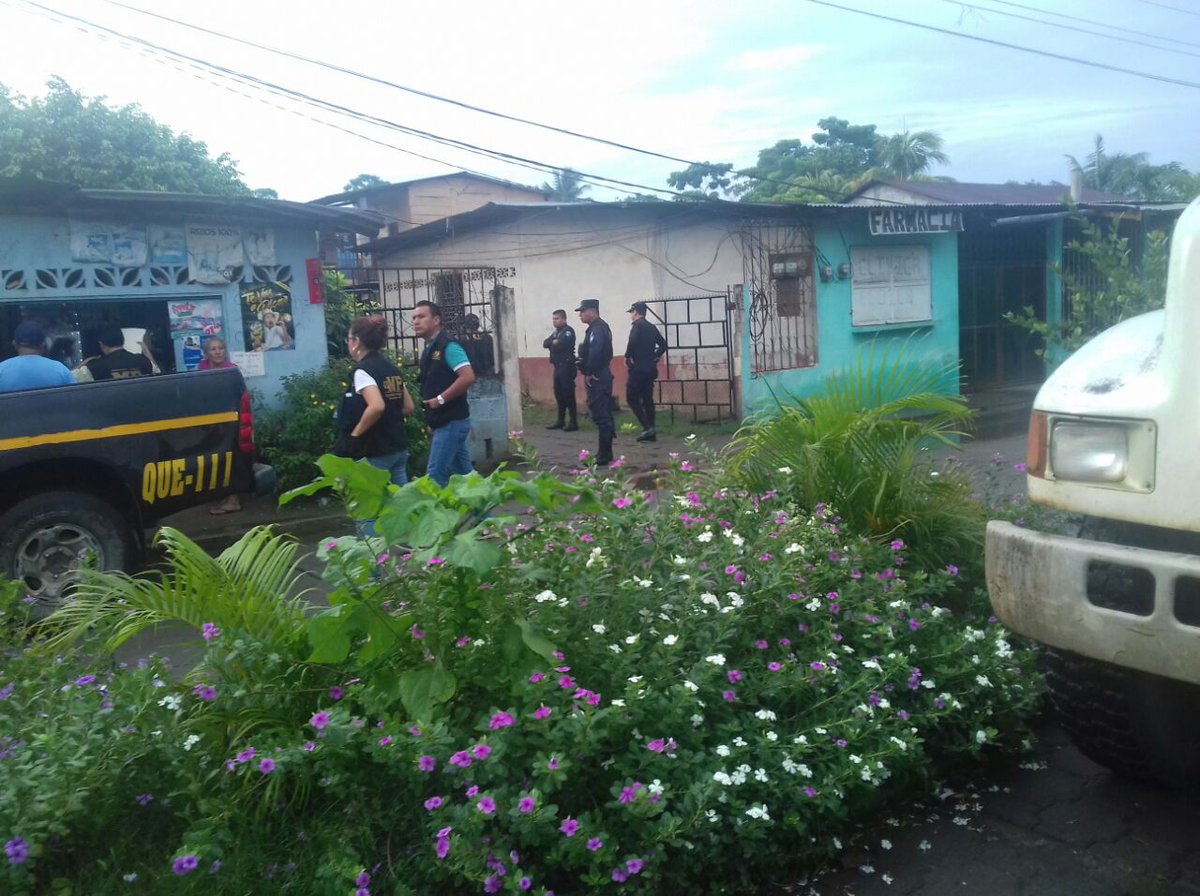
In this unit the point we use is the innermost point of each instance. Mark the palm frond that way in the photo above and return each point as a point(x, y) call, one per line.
point(250, 587)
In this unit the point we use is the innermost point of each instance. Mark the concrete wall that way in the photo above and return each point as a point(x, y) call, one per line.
point(838, 341)
point(29, 244)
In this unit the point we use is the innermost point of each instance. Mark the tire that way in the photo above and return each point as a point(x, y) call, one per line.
point(1140, 726)
point(45, 538)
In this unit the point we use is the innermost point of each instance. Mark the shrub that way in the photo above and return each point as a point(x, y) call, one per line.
point(692, 690)
point(861, 444)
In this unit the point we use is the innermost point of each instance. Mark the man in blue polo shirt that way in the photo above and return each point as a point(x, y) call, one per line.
point(29, 369)
point(446, 375)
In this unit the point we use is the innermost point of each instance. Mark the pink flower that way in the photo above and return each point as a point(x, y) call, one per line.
point(633, 866)
point(417, 633)
point(536, 677)
point(210, 631)
point(266, 766)
point(246, 755)
point(426, 763)
point(658, 745)
point(472, 792)
point(462, 759)
point(486, 805)
point(481, 751)
point(336, 693)
point(434, 802)
point(319, 719)
point(729, 696)
point(527, 804)
point(622, 503)
point(760, 644)
point(629, 794)
point(569, 827)
point(566, 682)
point(501, 720)
point(541, 712)
point(595, 844)
point(734, 675)
point(774, 667)
point(385, 740)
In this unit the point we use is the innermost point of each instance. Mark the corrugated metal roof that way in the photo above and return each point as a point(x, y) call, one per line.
point(953, 193)
point(42, 197)
point(350, 196)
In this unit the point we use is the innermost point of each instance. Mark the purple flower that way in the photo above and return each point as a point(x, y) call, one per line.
point(774, 667)
point(622, 503)
point(729, 696)
point(492, 884)
point(362, 880)
point(952, 569)
point(184, 864)
point(246, 755)
point(266, 766)
point(336, 693)
point(760, 644)
point(417, 633)
point(633, 866)
point(1018, 468)
point(434, 802)
point(629, 794)
point(481, 751)
point(7, 690)
point(619, 875)
point(594, 844)
point(525, 883)
point(443, 845)
point(84, 680)
point(566, 682)
point(362, 891)
point(658, 745)
point(809, 792)
point(734, 675)
point(569, 827)
point(486, 805)
point(426, 763)
point(144, 799)
point(552, 763)
point(541, 712)
point(17, 850)
point(526, 805)
point(472, 791)
point(319, 719)
point(462, 759)
point(536, 677)
point(209, 631)
point(501, 720)
point(897, 545)
point(205, 692)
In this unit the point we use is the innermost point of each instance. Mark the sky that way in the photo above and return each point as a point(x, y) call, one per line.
point(705, 80)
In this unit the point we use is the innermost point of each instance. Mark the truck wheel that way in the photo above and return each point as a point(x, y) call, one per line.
point(44, 540)
point(1138, 725)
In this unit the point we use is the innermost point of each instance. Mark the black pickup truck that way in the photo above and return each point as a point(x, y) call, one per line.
point(85, 469)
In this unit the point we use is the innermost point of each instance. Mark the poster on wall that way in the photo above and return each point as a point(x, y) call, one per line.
point(251, 364)
point(214, 253)
point(267, 317)
point(260, 245)
point(191, 322)
point(106, 242)
point(168, 244)
point(890, 285)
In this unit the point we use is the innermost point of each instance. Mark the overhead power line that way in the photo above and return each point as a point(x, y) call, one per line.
point(1190, 12)
point(999, 43)
point(1063, 15)
point(1074, 28)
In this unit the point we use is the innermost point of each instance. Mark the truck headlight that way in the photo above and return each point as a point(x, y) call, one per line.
point(1089, 452)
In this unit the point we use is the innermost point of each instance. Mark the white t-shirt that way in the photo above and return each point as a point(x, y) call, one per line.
point(362, 379)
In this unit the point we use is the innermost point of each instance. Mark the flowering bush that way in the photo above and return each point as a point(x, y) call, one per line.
point(689, 690)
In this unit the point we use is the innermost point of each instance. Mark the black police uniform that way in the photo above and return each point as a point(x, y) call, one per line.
point(646, 346)
point(595, 358)
point(561, 344)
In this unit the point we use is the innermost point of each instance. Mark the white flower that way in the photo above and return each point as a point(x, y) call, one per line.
point(961, 820)
point(887, 878)
point(739, 776)
point(805, 771)
point(191, 741)
point(654, 787)
point(678, 560)
point(722, 750)
point(711, 815)
point(705, 536)
point(772, 736)
point(981, 737)
point(760, 774)
point(855, 758)
point(786, 471)
point(867, 869)
point(479, 642)
point(671, 640)
point(171, 701)
point(813, 605)
point(1003, 648)
point(599, 629)
point(717, 659)
point(691, 686)
point(924, 846)
point(545, 596)
point(634, 679)
point(973, 634)
point(596, 556)
point(722, 778)
point(709, 598)
point(872, 664)
point(766, 715)
point(697, 720)
point(982, 681)
point(615, 648)
point(618, 703)
point(759, 812)
point(794, 548)
point(885, 844)
point(735, 599)
point(632, 639)
point(739, 741)
point(644, 583)
point(130, 877)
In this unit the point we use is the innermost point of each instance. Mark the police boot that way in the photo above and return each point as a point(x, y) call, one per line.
point(605, 455)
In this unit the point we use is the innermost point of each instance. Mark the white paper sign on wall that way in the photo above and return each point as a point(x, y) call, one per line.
point(889, 285)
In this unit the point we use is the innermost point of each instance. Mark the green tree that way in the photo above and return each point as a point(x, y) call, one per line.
point(702, 180)
point(1109, 285)
point(911, 153)
point(1132, 175)
point(364, 182)
point(71, 138)
point(566, 186)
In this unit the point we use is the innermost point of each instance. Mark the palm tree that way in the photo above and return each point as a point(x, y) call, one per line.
point(567, 186)
point(910, 153)
point(1131, 174)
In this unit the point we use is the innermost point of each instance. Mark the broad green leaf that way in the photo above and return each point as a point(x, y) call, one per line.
point(329, 636)
point(421, 689)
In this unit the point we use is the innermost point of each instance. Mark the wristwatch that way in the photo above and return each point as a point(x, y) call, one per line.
point(441, 400)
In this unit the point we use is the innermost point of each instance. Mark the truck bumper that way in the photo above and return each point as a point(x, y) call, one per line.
point(1039, 587)
point(265, 480)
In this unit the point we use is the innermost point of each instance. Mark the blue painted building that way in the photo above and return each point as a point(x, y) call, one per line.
point(173, 269)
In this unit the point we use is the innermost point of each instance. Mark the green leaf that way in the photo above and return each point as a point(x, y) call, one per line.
point(422, 689)
point(535, 641)
point(329, 636)
point(469, 551)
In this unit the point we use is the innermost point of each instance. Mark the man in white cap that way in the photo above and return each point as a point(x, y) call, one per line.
point(29, 369)
point(595, 360)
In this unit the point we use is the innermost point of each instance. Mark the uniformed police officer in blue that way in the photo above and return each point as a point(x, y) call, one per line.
point(595, 363)
point(561, 344)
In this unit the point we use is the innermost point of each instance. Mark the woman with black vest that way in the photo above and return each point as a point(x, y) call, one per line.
point(371, 419)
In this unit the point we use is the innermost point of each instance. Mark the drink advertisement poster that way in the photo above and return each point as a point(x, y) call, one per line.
point(267, 318)
point(192, 321)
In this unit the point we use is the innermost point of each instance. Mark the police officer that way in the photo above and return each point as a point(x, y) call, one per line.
point(561, 344)
point(646, 347)
point(595, 358)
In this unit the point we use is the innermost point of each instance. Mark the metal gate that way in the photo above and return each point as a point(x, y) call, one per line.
point(467, 298)
point(698, 381)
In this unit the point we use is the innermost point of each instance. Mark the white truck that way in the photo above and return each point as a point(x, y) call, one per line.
point(1115, 437)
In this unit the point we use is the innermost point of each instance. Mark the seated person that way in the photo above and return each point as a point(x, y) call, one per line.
point(114, 362)
point(28, 369)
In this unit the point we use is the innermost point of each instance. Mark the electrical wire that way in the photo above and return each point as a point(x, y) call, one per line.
point(1077, 30)
point(1063, 15)
point(1190, 12)
point(999, 43)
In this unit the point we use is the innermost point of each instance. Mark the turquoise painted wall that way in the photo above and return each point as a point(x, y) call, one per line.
point(838, 341)
point(29, 244)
